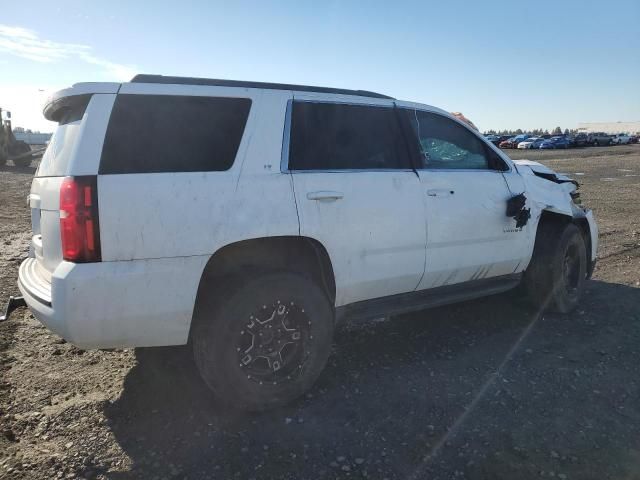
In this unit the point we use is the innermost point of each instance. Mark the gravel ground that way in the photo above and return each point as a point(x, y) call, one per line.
point(482, 390)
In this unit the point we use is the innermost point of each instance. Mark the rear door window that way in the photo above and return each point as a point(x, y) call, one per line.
point(170, 133)
point(334, 136)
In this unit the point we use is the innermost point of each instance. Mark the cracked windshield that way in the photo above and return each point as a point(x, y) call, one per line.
point(333, 240)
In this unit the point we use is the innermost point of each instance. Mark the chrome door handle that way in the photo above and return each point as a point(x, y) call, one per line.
point(325, 196)
point(440, 192)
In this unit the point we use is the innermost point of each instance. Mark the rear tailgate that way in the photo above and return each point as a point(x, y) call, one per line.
point(74, 150)
point(45, 220)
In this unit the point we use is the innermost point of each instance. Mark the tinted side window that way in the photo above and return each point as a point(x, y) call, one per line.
point(166, 133)
point(329, 136)
point(445, 144)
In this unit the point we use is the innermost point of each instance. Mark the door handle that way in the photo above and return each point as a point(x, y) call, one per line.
point(325, 196)
point(440, 192)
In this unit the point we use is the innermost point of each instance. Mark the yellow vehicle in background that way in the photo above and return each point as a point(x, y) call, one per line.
point(10, 148)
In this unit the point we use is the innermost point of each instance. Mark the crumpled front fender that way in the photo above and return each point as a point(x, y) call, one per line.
point(546, 189)
point(549, 191)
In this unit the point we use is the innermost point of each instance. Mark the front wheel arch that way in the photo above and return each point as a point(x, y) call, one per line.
point(542, 279)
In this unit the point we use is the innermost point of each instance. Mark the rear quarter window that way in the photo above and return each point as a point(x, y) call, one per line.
point(167, 133)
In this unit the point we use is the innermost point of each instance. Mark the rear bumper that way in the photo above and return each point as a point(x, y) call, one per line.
point(137, 303)
point(33, 284)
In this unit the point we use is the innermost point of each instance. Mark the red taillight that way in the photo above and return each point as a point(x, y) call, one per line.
point(79, 226)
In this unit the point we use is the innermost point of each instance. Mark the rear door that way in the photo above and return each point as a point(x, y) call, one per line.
point(357, 193)
point(465, 192)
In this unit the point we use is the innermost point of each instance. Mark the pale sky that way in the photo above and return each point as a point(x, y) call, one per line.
point(503, 64)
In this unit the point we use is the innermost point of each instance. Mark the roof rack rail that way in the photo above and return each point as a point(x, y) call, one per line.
point(145, 78)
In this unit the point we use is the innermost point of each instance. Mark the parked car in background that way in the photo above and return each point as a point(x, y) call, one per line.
point(633, 139)
point(513, 141)
point(508, 143)
point(579, 140)
point(598, 138)
point(495, 139)
point(556, 142)
point(533, 142)
point(501, 139)
point(621, 139)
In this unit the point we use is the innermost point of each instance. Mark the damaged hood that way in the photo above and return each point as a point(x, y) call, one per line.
point(542, 171)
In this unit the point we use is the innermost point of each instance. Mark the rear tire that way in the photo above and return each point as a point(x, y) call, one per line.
point(264, 341)
point(556, 276)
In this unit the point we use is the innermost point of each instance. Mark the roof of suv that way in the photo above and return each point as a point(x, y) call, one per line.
point(144, 78)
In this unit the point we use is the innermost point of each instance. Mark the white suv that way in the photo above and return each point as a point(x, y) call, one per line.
point(247, 218)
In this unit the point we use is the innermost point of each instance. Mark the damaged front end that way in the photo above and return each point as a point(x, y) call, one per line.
point(555, 193)
point(549, 190)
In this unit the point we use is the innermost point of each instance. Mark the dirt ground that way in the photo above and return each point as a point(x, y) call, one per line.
point(483, 390)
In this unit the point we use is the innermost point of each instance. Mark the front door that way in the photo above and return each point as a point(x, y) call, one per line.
point(469, 236)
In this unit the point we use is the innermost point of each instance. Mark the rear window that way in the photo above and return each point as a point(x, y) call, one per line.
point(167, 133)
point(55, 161)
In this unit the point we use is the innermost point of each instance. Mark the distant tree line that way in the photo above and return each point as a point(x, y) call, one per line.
point(535, 131)
point(23, 130)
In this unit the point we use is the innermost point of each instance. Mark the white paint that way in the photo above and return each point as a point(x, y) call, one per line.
point(469, 236)
point(119, 304)
point(375, 234)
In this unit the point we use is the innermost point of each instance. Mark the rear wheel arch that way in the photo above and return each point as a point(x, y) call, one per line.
point(302, 255)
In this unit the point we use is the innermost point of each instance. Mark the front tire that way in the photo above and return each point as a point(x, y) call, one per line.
point(557, 273)
point(263, 342)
